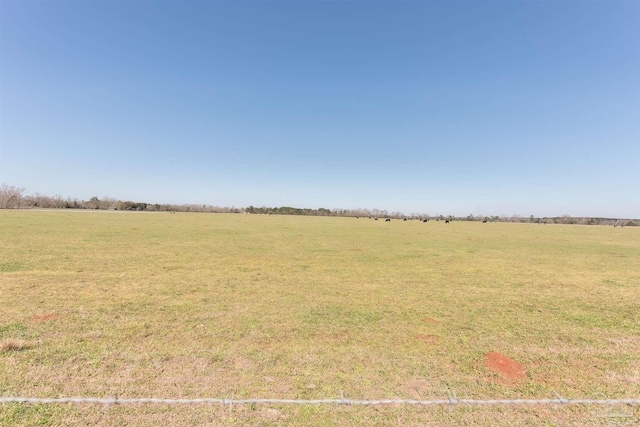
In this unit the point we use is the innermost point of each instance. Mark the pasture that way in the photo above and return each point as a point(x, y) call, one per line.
point(215, 305)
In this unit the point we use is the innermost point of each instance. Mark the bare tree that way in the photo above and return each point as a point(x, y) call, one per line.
point(10, 197)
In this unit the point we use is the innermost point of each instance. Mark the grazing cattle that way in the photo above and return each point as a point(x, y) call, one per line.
point(405, 219)
point(446, 222)
point(376, 219)
point(484, 222)
point(387, 220)
point(425, 220)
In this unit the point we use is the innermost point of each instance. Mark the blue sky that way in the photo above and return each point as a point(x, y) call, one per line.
point(474, 107)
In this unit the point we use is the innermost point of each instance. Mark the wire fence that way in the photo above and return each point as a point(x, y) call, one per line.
point(453, 400)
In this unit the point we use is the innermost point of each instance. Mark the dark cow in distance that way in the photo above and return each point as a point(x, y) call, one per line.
point(387, 220)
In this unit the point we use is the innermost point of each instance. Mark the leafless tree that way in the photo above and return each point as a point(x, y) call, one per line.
point(11, 197)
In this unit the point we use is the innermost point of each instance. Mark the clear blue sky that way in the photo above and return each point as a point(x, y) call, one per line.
point(474, 107)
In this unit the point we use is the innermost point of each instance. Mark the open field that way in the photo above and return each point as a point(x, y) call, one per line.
point(210, 305)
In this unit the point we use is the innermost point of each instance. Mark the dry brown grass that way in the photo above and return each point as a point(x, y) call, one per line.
point(10, 344)
point(200, 305)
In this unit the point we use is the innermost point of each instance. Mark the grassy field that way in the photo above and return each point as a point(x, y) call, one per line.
point(215, 305)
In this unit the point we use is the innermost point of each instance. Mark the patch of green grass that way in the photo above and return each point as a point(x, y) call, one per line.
point(610, 282)
point(15, 329)
point(29, 414)
point(343, 316)
point(7, 267)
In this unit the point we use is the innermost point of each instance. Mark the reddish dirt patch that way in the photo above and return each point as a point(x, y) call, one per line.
point(46, 317)
point(430, 320)
point(429, 339)
point(508, 368)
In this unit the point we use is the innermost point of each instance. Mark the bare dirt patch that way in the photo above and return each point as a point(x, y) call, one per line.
point(508, 368)
point(46, 317)
point(430, 320)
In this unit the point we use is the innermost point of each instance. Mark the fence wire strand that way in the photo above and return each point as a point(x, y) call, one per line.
point(115, 400)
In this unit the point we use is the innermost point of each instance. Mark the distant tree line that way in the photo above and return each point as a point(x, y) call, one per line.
point(286, 210)
point(15, 198)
